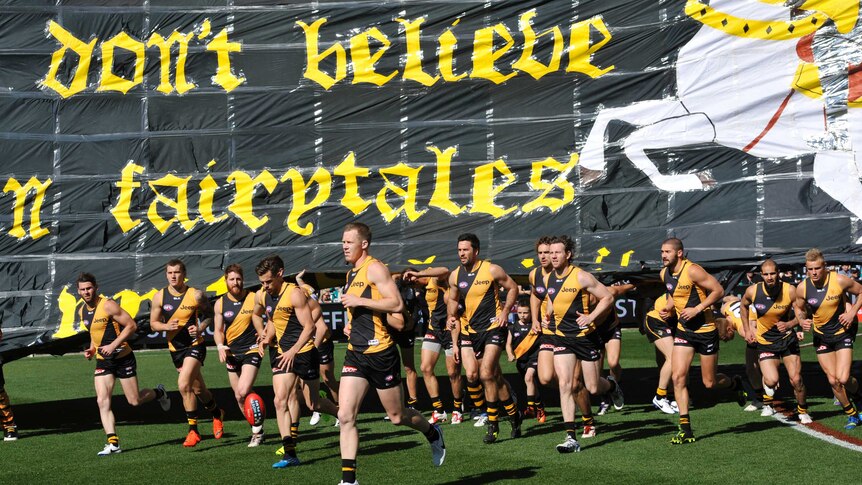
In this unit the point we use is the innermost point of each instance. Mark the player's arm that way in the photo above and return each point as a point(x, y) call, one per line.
point(303, 314)
point(390, 298)
point(124, 320)
point(509, 350)
point(784, 326)
point(218, 332)
point(507, 283)
point(744, 315)
point(598, 290)
point(156, 318)
point(799, 308)
point(536, 304)
point(265, 331)
point(453, 321)
point(620, 288)
point(668, 309)
point(714, 292)
point(438, 272)
point(853, 287)
point(206, 312)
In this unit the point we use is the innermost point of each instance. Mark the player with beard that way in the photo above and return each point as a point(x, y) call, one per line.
point(821, 305)
point(236, 335)
point(538, 293)
point(691, 292)
point(437, 339)
point(476, 284)
point(110, 328)
point(577, 347)
point(371, 359)
point(175, 310)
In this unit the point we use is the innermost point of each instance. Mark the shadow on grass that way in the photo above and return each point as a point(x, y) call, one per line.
point(495, 476)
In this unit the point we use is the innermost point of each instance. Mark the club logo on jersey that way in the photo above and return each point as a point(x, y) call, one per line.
point(551, 291)
point(539, 290)
point(812, 301)
point(669, 287)
point(268, 309)
point(389, 378)
point(229, 314)
point(168, 307)
point(462, 284)
point(760, 306)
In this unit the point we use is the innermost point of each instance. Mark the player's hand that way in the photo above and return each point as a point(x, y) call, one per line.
point(173, 324)
point(782, 326)
point(501, 321)
point(800, 336)
point(583, 320)
point(750, 337)
point(261, 343)
point(805, 323)
point(285, 360)
point(688, 313)
point(89, 353)
point(410, 276)
point(536, 327)
point(664, 313)
point(107, 350)
point(222, 354)
point(351, 301)
point(193, 330)
point(846, 319)
point(511, 357)
point(451, 322)
point(456, 353)
point(346, 331)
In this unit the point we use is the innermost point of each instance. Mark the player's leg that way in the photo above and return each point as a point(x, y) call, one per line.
point(453, 370)
point(546, 364)
point(474, 383)
point(613, 347)
point(681, 363)
point(284, 389)
point(327, 373)
point(311, 393)
point(793, 365)
point(569, 385)
point(411, 378)
point(664, 346)
point(529, 376)
point(769, 372)
point(352, 392)
point(206, 398)
point(7, 418)
point(829, 363)
point(242, 384)
point(503, 398)
point(104, 384)
point(754, 376)
point(428, 361)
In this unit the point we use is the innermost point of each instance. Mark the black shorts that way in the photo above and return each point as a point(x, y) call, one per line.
point(234, 363)
point(546, 342)
point(405, 339)
point(824, 344)
point(120, 367)
point(705, 343)
point(608, 333)
point(306, 365)
point(527, 362)
point(657, 329)
point(437, 336)
point(381, 369)
point(587, 348)
point(198, 352)
point(481, 340)
point(780, 349)
point(327, 352)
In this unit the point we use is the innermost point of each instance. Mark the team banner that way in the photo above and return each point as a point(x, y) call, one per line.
point(134, 132)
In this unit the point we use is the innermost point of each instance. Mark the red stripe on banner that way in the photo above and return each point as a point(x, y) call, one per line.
point(770, 124)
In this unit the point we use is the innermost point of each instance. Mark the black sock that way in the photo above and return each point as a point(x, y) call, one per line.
point(432, 434)
point(113, 439)
point(192, 418)
point(457, 405)
point(571, 429)
point(492, 412)
point(509, 406)
point(294, 430)
point(437, 404)
point(613, 386)
point(411, 402)
point(348, 471)
point(685, 423)
point(213, 408)
point(289, 446)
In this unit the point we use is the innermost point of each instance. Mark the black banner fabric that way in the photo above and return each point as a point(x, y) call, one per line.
point(219, 132)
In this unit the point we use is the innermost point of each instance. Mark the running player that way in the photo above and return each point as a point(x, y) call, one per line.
point(406, 337)
point(772, 302)
point(522, 347)
point(611, 335)
point(538, 292)
point(577, 348)
point(821, 305)
point(371, 359)
point(175, 310)
point(236, 336)
point(7, 419)
point(731, 314)
point(476, 285)
point(325, 347)
point(437, 339)
point(110, 327)
point(691, 292)
point(660, 330)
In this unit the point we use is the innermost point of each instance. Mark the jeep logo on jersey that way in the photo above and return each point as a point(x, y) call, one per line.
point(229, 314)
point(187, 307)
point(462, 284)
point(812, 301)
point(482, 282)
point(167, 307)
point(357, 284)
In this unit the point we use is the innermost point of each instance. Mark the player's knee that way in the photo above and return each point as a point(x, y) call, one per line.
point(134, 401)
point(185, 387)
point(104, 402)
point(592, 388)
point(795, 381)
point(345, 417)
point(709, 383)
point(427, 369)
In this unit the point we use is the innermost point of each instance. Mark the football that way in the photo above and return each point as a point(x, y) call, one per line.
point(254, 409)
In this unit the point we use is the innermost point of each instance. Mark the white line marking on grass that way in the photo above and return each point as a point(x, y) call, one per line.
point(816, 434)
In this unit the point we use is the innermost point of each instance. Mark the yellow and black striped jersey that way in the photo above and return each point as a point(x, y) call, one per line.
point(368, 332)
point(568, 299)
point(435, 297)
point(183, 308)
point(685, 293)
point(281, 314)
point(538, 278)
point(770, 311)
point(824, 304)
point(479, 294)
point(103, 329)
point(240, 334)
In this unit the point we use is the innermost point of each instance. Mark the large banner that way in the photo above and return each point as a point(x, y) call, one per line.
point(218, 134)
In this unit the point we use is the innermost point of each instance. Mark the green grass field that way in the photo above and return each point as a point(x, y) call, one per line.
point(56, 410)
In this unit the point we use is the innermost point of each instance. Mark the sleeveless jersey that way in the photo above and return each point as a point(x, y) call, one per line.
point(538, 281)
point(660, 304)
point(240, 334)
point(279, 311)
point(183, 307)
point(769, 312)
point(569, 299)
point(732, 314)
point(103, 329)
point(685, 293)
point(368, 333)
point(435, 297)
point(825, 304)
point(524, 341)
point(478, 293)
